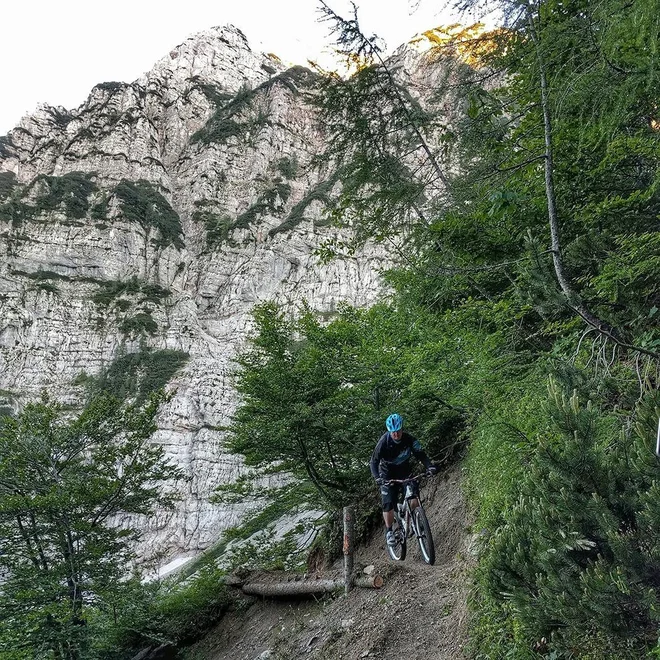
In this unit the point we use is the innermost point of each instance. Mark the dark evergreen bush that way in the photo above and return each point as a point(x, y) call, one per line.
point(142, 203)
point(137, 375)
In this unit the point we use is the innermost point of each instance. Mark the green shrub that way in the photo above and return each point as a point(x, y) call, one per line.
point(111, 86)
point(141, 323)
point(287, 167)
point(137, 375)
point(41, 275)
point(186, 612)
point(61, 117)
point(141, 202)
point(237, 117)
point(157, 614)
point(7, 184)
point(72, 191)
point(5, 146)
point(110, 290)
point(267, 202)
point(218, 228)
point(233, 118)
point(320, 193)
point(68, 193)
point(580, 545)
point(47, 287)
point(294, 79)
point(100, 209)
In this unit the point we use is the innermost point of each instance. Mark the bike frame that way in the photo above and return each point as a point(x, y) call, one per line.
point(403, 509)
point(411, 520)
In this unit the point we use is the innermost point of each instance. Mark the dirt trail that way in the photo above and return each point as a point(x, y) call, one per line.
point(420, 613)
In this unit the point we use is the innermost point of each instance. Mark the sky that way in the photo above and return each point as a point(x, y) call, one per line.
point(55, 51)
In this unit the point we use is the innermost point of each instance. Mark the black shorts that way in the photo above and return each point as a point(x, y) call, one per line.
point(390, 494)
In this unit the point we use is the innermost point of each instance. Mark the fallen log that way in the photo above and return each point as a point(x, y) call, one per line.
point(368, 581)
point(302, 587)
point(290, 587)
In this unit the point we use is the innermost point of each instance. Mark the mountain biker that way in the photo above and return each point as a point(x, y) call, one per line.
point(391, 460)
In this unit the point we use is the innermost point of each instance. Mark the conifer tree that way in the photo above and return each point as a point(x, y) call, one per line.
point(577, 560)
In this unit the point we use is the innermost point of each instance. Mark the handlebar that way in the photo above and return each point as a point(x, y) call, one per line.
point(404, 481)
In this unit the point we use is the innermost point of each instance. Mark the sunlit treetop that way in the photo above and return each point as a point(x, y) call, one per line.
point(472, 43)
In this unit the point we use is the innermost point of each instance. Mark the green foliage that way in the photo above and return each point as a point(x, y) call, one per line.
point(62, 480)
point(100, 210)
point(142, 203)
point(254, 543)
point(233, 119)
point(244, 115)
point(69, 192)
point(111, 86)
point(315, 396)
point(218, 228)
point(288, 167)
point(320, 193)
point(371, 119)
point(6, 145)
point(187, 611)
point(48, 287)
point(295, 79)
point(480, 316)
point(589, 497)
point(155, 614)
point(7, 184)
point(138, 324)
point(137, 375)
point(111, 290)
point(40, 275)
point(60, 116)
point(270, 201)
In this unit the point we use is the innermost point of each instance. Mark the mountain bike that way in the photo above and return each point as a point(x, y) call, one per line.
point(409, 521)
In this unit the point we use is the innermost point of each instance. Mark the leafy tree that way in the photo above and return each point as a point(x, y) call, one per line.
point(541, 261)
point(315, 396)
point(141, 202)
point(299, 407)
point(553, 135)
point(65, 482)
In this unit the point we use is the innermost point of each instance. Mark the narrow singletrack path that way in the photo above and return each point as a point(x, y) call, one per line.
point(420, 613)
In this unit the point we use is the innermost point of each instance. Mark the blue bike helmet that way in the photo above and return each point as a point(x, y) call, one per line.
point(394, 422)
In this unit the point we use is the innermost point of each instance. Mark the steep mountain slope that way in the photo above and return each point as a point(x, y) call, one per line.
point(420, 612)
point(138, 231)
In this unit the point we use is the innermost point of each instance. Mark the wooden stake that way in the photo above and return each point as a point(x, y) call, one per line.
point(349, 533)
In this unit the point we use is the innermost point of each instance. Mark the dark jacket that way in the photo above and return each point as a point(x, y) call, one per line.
point(391, 460)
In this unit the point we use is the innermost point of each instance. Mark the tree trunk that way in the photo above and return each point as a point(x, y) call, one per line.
point(291, 585)
point(303, 587)
point(349, 544)
point(572, 297)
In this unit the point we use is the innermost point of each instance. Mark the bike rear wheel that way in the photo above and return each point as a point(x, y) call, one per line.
point(424, 536)
point(398, 551)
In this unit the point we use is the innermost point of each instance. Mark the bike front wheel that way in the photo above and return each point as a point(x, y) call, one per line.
point(398, 551)
point(424, 536)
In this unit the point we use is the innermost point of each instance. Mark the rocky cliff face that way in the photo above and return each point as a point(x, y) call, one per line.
point(138, 231)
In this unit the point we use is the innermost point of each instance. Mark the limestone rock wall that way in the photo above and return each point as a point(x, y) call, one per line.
point(147, 219)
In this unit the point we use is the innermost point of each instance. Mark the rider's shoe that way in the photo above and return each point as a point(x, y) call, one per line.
point(390, 539)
